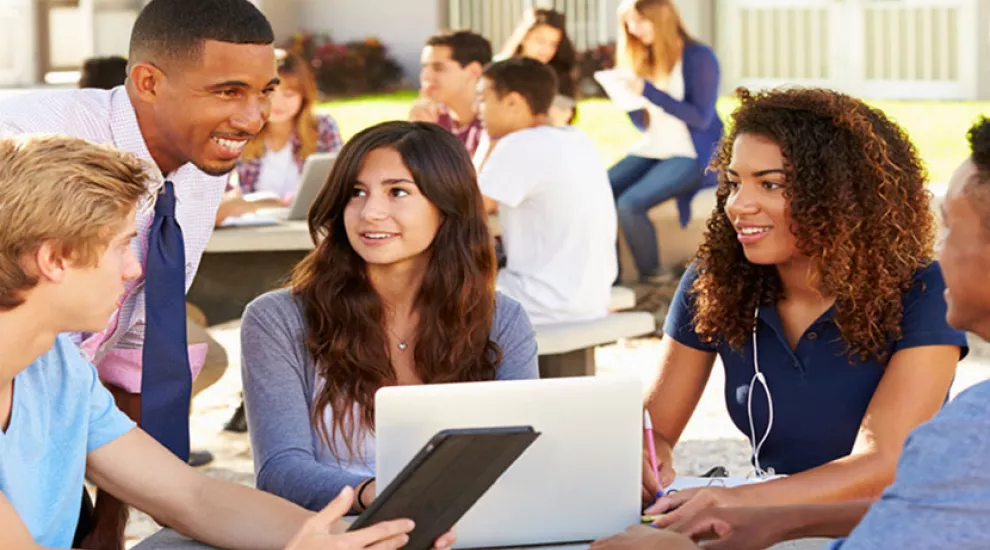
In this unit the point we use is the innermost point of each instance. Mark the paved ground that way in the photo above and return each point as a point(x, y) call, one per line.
point(710, 437)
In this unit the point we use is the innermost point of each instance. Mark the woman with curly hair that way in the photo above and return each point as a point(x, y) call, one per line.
point(399, 290)
point(817, 288)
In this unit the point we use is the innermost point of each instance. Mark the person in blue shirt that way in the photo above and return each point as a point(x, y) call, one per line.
point(940, 497)
point(816, 286)
point(68, 212)
point(679, 78)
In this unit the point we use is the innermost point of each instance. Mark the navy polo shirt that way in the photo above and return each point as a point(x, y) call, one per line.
point(819, 396)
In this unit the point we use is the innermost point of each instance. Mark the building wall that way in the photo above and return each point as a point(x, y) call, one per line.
point(983, 50)
point(898, 49)
point(17, 42)
point(284, 15)
point(699, 18)
point(402, 25)
point(112, 22)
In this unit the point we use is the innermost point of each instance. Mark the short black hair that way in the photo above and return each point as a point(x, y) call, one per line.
point(978, 187)
point(103, 72)
point(176, 29)
point(529, 78)
point(979, 145)
point(466, 47)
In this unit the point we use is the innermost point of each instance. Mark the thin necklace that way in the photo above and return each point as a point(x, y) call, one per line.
point(402, 345)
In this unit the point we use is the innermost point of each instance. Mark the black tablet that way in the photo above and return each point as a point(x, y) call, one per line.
point(445, 478)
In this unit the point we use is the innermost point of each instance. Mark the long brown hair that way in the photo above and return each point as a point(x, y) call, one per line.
point(564, 61)
point(345, 317)
point(860, 211)
point(669, 38)
point(294, 73)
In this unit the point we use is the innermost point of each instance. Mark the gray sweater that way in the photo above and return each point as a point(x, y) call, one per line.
point(279, 383)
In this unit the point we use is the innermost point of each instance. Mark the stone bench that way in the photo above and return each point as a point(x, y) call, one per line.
point(568, 349)
point(622, 298)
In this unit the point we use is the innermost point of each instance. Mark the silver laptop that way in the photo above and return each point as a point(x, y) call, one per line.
point(315, 171)
point(578, 482)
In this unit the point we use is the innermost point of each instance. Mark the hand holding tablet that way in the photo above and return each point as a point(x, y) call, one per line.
point(444, 480)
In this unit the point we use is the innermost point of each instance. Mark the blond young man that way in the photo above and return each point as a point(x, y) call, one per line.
point(68, 209)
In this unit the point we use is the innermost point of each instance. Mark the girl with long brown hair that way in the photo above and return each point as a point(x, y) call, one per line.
point(678, 77)
point(271, 164)
point(542, 35)
point(816, 286)
point(399, 290)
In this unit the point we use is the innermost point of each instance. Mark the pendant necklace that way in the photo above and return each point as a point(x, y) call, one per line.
point(402, 345)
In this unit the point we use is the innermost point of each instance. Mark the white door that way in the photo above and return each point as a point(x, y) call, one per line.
point(908, 49)
point(18, 52)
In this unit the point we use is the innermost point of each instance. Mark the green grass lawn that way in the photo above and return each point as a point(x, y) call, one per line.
point(937, 128)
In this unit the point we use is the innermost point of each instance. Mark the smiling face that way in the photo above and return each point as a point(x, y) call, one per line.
point(964, 252)
point(389, 222)
point(207, 109)
point(756, 206)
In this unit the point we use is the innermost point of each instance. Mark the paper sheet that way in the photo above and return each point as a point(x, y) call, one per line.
point(613, 82)
point(686, 482)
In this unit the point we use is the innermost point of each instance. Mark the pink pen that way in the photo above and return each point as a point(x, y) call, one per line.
point(652, 450)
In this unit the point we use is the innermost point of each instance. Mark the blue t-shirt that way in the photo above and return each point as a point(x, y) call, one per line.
point(940, 497)
point(61, 412)
point(819, 395)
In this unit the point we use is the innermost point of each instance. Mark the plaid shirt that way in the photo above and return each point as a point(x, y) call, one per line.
point(328, 141)
point(470, 134)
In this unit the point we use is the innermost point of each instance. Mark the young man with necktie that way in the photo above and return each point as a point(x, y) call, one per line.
point(199, 77)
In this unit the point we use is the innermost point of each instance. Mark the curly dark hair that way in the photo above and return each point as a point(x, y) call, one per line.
point(345, 316)
point(861, 213)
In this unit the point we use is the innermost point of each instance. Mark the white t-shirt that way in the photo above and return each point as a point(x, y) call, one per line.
point(279, 172)
point(667, 136)
point(558, 223)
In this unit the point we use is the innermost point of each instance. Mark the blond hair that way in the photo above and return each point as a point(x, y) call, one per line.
point(63, 190)
point(669, 38)
point(296, 74)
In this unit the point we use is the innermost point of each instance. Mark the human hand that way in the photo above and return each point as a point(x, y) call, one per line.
point(424, 110)
point(632, 82)
point(684, 505)
point(317, 533)
point(665, 465)
point(734, 528)
point(640, 537)
point(367, 496)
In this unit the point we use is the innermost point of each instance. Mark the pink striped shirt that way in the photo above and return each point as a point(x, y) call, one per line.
point(108, 117)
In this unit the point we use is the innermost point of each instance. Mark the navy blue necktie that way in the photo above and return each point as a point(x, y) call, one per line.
point(166, 382)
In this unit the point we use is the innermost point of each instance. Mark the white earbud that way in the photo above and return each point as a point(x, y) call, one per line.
point(758, 376)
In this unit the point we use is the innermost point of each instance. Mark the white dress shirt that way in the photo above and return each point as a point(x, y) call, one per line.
point(108, 117)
